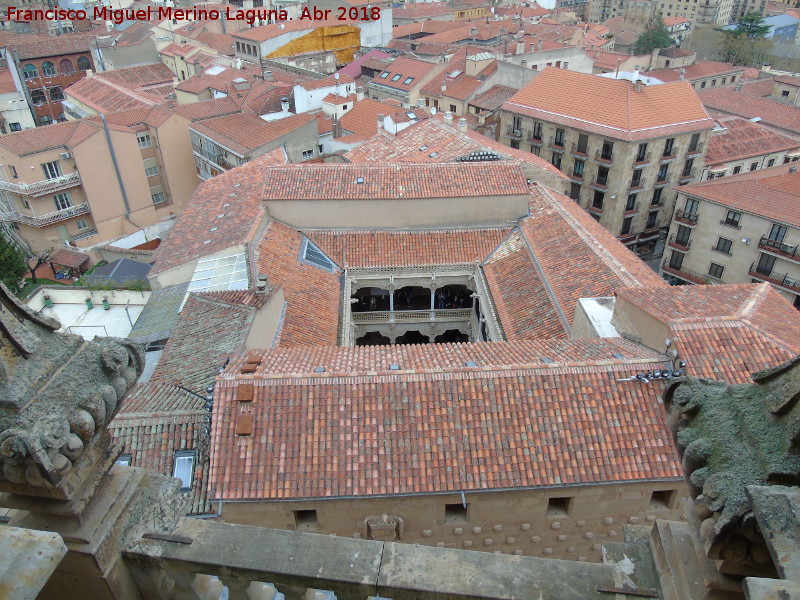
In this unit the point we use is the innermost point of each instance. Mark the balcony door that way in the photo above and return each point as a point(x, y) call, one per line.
point(777, 233)
point(765, 264)
point(51, 170)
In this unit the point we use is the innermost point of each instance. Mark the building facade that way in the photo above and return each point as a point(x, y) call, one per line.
point(624, 159)
point(743, 228)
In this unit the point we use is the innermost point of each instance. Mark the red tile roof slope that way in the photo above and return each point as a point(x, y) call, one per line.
point(493, 98)
point(207, 109)
point(337, 181)
point(362, 119)
point(570, 98)
point(69, 258)
point(745, 139)
point(725, 332)
point(67, 134)
point(31, 46)
point(354, 248)
point(776, 114)
point(405, 67)
point(243, 133)
point(312, 294)
point(139, 76)
point(700, 70)
point(243, 212)
point(772, 193)
point(103, 95)
point(467, 429)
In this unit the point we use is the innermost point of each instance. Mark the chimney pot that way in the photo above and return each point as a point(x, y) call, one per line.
point(523, 63)
point(462, 125)
point(380, 121)
point(448, 118)
point(359, 93)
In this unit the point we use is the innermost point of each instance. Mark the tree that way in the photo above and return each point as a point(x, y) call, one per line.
point(752, 26)
point(12, 263)
point(655, 36)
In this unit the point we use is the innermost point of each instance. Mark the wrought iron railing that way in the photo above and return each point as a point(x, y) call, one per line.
point(40, 188)
point(49, 218)
point(784, 250)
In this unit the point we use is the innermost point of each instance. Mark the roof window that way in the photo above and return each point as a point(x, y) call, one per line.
point(314, 256)
point(384, 75)
point(396, 77)
point(183, 468)
point(408, 80)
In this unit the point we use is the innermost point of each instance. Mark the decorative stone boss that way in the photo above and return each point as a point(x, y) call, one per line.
point(57, 395)
point(731, 437)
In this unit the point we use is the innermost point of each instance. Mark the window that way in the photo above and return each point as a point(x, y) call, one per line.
point(45, 120)
point(83, 63)
point(452, 108)
point(313, 255)
point(13, 171)
point(663, 171)
point(687, 167)
point(38, 97)
point(694, 143)
point(183, 468)
point(785, 93)
point(636, 180)
point(715, 271)
point(770, 163)
point(732, 219)
point(144, 140)
point(51, 170)
point(82, 224)
point(124, 460)
point(558, 507)
point(408, 80)
point(384, 75)
point(48, 69)
point(737, 169)
point(15, 127)
point(577, 168)
point(723, 245)
point(26, 204)
point(713, 82)
point(559, 139)
point(583, 143)
point(62, 200)
point(641, 154)
point(607, 152)
point(151, 171)
point(556, 160)
point(455, 513)
point(669, 145)
point(777, 233)
point(657, 194)
point(157, 196)
point(308, 154)
point(676, 260)
point(765, 264)
point(537, 130)
point(602, 175)
point(396, 77)
point(514, 144)
point(631, 203)
point(30, 72)
point(702, 84)
point(65, 66)
point(56, 94)
point(661, 499)
point(597, 201)
point(575, 191)
point(682, 235)
point(691, 206)
point(305, 520)
point(626, 225)
point(753, 166)
point(651, 220)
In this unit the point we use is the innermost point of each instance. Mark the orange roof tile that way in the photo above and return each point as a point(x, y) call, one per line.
point(745, 139)
point(570, 98)
point(700, 70)
point(770, 112)
point(67, 134)
point(404, 68)
point(244, 133)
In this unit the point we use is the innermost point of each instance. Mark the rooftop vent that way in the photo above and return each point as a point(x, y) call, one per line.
point(617, 355)
point(547, 359)
point(470, 363)
point(394, 367)
point(359, 180)
point(319, 370)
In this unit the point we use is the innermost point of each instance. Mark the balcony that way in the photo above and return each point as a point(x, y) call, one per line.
point(685, 274)
point(731, 224)
point(49, 218)
point(577, 175)
point(779, 248)
point(513, 132)
point(696, 149)
point(663, 181)
point(669, 156)
point(412, 316)
point(642, 159)
point(781, 280)
point(636, 184)
point(679, 244)
point(605, 158)
point(595, 210)
point(632, 210)
point(557, 145)
point(686, 176)
point(42, 188)
point(600, 183)
point(535, 138)
point(579, 152)
point(687, 218)
point(218, 160)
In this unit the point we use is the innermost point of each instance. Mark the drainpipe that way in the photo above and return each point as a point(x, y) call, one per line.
point(117, 171)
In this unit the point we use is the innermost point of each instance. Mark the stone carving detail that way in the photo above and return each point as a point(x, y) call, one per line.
point(57, 394)
point(386, 528)
point(730, 437)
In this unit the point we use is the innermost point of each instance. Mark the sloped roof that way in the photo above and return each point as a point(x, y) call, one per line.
point(67, 134)
point(404, 68)
point(700, 70)
point(207, 109)
point(776, 114)
point(745, 139)
point(159, 314)
point(572, 99)
point(243, 133)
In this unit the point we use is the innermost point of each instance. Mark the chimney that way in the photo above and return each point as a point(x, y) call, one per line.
point(284, 104)
point(268, 76)
point(444, 86)
point(336, 127)
point(793, 169)
point(521, 47)
point(523, 63)
point(421, 103)
point(380, 121)
point(637, 85)
point(261, 284)
point(448, 118)
point(359, 93)
point(540, 44)
point(462, 125)
point(683, 74)
point(738, 87)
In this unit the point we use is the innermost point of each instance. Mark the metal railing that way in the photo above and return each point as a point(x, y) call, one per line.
point(40, 188)
point(733, 224)
point(685, 274)
point(601, 156)
point(781, 279)
point(665, 180)
point(696, 149)
point(641, 160)
point(785, 250)
point(438, 314)
point(533, 138)
point(44, 220)
point(580, 151)
point(686, 217)
point(216, 159)
point(513, 132)
point(600, 182)
point(633, 209)
point(557, 143)
point(687, 174)
point(679, 244)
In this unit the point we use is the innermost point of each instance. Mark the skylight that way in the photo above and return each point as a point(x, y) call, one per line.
point(313, 255)
point(396, 77)
point(384, 75)
point(219, 274)
point(455, 74)
point(408, 80)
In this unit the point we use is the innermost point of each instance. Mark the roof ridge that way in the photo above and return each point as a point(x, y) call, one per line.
point(756, 297)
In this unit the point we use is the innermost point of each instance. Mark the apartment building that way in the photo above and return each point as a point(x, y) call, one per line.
point(86, 182)
point(226, 142)
point(624, 146)
point(740, 229)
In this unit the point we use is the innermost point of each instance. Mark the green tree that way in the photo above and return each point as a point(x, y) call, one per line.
point(655, 36)
point(752, 26)
point(12, 263)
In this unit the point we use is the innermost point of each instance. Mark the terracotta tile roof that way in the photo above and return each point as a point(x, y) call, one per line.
point(422, 11)
point(330, 80)
point(745, 139)
point(426, 27)
point(700, 70)
point(725, 332)
point(676, 20)
point(776, 114)
point(466, 429)
point(405, 68)
point(338, 181)
point(608, 60)
point(139, 76)
point(220, 42)
point(787, 79)
point(353, 69)
point(674, 52)
point(493, 98)
point(7, 85)
point(244, 133)
point(570, 98)
point(756, 87)
point(40, 139)
point(156, 420)
point(366, 248)
point(190, 237)
point(458, 84)
point(362, 120)
point(312, 295)
point(104, 95)
point(223, 80)
point(151, 115)
point(625, 38)
point(31, 46)
point(197, 111)
point(69, 258)
point(337, 99)
point(771, 193)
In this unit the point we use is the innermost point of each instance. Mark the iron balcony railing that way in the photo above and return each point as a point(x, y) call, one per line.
point(49, 218)
point(513, 132)
point(780, 279)
point(679, 244)
point(214, 158)
point(696, 149)
point(604, 157)
point(784, 250)
point(686, 217)
point(41, 188)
